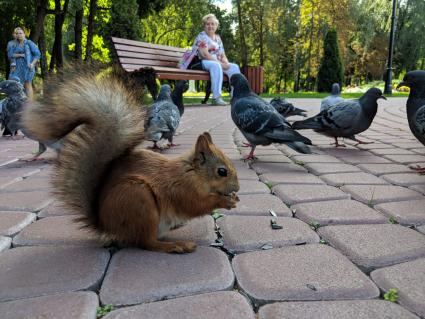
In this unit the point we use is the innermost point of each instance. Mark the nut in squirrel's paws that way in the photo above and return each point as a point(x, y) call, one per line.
point(231, 200)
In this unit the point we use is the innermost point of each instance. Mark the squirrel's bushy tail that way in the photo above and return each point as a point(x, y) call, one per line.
point(99, 121)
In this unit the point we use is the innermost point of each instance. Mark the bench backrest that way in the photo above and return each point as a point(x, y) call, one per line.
point(136, 54)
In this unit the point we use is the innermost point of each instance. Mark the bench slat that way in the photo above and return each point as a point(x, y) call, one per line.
point(147, 45)
point(171, 64)
point(126, 48)
point(161, 69)
point(147, 56)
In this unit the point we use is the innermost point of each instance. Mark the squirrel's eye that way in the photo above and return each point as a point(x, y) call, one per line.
point(222, 172)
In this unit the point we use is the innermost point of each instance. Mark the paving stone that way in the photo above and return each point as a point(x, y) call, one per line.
point(290, 178)
point(55, 208)
point(418, 188)
point(35, 271)
point(262, 168)
point(374, 146)
point(338, 212)
point(17, 172)
point(373, 246)
point(6, 181)
point(252, 187)
point(309, 272)
point(75, 305)
point(346, 309)
point(406, 159)
point(359, 178)
point(406, 212)
point(136, 276)
point(13, 222)
point(200, 230)
point(328, 168)
point(404, 179)
point(348, 151)
point(246, 233)
point(366, 159)
point(60, 230)
point(258, 205)
point(278, 158)
point(5, 243)
point(376, 194)
point(379, 169)
point(263, 151)
point(313, 158)
point(223, 305)
point(421, 229)
point(29, 184)
point(408, 145)
point(25, 201)
point(392, 151)
point(409, 279)
point(294, 194)
point(420, 151)
point(246, 173)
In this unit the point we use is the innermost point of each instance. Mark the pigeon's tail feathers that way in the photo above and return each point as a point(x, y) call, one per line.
point(299, 147)
point(101, 122)
point(298, 111)
point(286, 135)
point(310, 123)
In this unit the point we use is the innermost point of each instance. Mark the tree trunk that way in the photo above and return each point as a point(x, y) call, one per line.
point(244, 52)
point(261, 35)
point(38, 35)
point(297, 50)
point(78, 34)
point(57, 52)
point(90, 29)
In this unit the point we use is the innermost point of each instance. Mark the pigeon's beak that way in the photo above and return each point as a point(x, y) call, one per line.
point(383, 97)
point(402, 83)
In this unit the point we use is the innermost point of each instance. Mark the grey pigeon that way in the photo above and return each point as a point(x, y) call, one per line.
point(286, 108)
point(177, 95)
point(163, 118)
point(346, 118)
point(332, 99)
point(259, 122)
point(12, 106)
point(415, 106)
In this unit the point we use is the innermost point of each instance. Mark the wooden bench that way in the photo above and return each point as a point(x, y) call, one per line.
point(151, 61)
point(147, 62)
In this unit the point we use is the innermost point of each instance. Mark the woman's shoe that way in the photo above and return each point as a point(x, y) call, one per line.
point(219, 101)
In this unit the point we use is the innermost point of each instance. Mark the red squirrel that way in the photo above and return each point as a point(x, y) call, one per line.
point(128, 194)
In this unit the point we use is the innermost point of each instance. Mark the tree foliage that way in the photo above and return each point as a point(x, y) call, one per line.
point(284, 36)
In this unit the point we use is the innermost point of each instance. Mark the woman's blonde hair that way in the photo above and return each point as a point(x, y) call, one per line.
point(208, 17)
point(19, 29)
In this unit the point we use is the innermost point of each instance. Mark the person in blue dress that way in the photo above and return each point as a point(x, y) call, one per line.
point(23, 55)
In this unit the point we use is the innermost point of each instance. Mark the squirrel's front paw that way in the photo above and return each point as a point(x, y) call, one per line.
point(230, 201)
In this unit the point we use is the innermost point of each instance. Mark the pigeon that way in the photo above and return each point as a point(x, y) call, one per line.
point(332, 99)
point(163, 118)
point(285, 108)
point(259, 122)
point(12, 106)
point(346, 118)
point(177, 95)
point(415, 107)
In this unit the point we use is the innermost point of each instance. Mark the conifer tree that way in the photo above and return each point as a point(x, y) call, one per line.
point(331, 69)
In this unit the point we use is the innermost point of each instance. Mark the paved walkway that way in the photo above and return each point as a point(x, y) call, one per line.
point(350, 230)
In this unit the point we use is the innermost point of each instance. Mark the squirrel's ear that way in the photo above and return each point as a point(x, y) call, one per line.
point(208, 136)
point(202, 149)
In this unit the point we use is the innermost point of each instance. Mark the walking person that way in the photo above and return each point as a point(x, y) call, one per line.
point(23, 54)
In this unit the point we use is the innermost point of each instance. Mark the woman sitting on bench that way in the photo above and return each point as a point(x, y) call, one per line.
point(213, 59)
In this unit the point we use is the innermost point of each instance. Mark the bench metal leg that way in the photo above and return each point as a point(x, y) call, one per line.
point(207, 93)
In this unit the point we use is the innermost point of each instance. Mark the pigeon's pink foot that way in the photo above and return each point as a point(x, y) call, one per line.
point(173, 145)
point(419, 169)
point(246, 144)
point(362, 142)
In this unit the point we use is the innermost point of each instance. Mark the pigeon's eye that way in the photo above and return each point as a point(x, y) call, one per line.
point(222, 172)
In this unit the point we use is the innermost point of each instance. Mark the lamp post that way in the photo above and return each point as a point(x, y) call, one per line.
point(388, 85)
